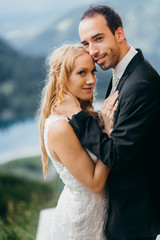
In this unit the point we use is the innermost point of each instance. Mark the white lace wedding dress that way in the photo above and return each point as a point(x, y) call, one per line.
point(80, 214)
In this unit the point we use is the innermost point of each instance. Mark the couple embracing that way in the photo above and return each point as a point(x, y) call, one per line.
point(110, 168)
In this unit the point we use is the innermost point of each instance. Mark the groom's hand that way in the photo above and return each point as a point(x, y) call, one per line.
point(107, 112)
point(69, 106)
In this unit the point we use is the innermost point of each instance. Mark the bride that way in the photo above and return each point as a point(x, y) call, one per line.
point(82, 207)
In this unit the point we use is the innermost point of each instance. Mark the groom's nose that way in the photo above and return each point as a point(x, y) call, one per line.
point(93, 50)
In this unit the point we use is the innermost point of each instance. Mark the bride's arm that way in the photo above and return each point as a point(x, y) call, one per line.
point(63, 142)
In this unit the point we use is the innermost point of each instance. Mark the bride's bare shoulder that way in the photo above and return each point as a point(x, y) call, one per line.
point(59, 128)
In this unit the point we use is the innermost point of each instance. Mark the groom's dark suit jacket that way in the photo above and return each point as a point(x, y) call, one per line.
point(132, 152)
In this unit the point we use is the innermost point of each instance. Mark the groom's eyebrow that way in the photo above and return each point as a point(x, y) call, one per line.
point(97, 35)
point(93, 37)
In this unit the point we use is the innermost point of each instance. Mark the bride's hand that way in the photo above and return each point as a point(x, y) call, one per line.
point(69, 105)
point(107, 112)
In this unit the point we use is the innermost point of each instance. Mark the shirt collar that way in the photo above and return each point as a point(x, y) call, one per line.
point(121, 66)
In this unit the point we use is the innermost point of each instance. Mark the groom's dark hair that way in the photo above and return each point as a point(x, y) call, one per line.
point(113, 19)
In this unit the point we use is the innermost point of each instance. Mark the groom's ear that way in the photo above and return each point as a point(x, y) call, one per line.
point(119, 34)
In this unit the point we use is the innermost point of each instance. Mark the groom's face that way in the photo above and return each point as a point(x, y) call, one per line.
point(99, 41)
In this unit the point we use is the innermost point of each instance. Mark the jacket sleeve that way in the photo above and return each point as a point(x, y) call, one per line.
point(136, 113)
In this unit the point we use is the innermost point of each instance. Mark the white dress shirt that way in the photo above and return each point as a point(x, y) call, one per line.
point(120, 68)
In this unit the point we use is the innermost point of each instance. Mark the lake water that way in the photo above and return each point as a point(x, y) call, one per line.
point(21, 139)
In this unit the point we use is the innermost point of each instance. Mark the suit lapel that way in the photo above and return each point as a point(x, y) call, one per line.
point(131, 66)
point(109, 88)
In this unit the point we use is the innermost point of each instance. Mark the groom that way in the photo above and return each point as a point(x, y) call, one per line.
point(132, 149)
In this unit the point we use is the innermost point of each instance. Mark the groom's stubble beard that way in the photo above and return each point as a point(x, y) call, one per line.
point(111, 60)
point(112, 56)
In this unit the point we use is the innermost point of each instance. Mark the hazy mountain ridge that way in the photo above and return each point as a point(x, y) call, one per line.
point(63, 30)
point(140, 19)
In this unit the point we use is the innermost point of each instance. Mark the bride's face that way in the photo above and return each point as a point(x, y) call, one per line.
point(82, 79)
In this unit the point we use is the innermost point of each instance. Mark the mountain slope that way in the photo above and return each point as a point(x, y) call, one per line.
point(63, 30)
point(20, 77)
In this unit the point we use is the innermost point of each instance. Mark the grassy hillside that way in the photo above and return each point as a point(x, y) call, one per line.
point(28, 168)
point(23, 195)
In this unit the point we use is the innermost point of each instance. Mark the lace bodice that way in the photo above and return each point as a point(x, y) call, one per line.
point(80, 214)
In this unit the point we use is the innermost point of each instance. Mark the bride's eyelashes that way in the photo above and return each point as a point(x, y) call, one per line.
point(94, 71)
point(83, 72)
